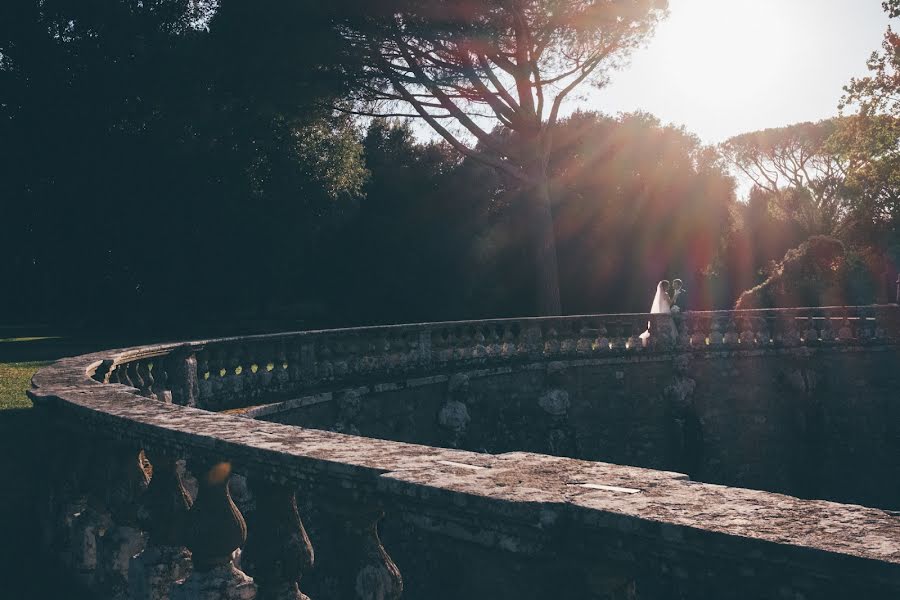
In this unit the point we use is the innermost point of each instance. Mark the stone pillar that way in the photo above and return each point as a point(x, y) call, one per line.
point(278, 551)
point(215, 530)
point(164, 513)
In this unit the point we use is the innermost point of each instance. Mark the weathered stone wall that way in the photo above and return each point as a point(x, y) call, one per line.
point(819, 423)
point(142, 462)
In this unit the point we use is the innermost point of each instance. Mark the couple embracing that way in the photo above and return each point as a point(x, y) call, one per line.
point(666, 303)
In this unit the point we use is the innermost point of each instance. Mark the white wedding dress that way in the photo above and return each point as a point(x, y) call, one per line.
point(661, 304)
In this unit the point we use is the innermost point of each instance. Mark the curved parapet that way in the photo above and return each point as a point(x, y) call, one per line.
point(167, 489)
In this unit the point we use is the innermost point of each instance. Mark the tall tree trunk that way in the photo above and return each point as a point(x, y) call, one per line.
point(543, 239)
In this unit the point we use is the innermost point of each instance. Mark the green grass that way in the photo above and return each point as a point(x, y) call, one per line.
point(15, 379)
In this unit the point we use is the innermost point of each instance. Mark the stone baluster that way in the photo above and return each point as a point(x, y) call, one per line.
point(235, 375)
point(731, 337)
point(440, 349)
point(424, 347)
point(121, 375)
point(324, 365)
point(585, 344)
point(215, 530)
point(716, 339)
point(339, 361)
point(568, 344)
point(845, 331)
point(866, 329)
point(295, 366)
point(635, 343)
point(508, 348)
point(601, 344)
point(134, 376)
point(698, 333)
point(87, 527)
point(810, 334)
point(164, 514)
point(682, 331)
point(748, 335)
point(161, 388)
point(551, 342)
point(618, 338)
point(479, 348)
point(142, 368)
point(281, 372)
point(368, 573)
point(265, 369)
point(354, 355)
point(127, 479)
point(278, 551)
point(788, 334)
point(205, 376)
point(218, 376)
point(827, 334)
point(253, 360)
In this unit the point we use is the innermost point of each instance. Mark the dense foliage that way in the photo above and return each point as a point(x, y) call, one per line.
point(181, 165)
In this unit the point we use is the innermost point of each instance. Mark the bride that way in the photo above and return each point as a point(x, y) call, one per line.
point(662, 303)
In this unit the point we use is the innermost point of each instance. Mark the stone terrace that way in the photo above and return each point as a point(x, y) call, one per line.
point(141, 505)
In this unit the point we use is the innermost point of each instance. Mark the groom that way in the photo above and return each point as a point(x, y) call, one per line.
point(678, 296)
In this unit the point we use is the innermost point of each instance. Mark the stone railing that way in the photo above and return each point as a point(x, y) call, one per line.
point(135, 425)
point(236, 372)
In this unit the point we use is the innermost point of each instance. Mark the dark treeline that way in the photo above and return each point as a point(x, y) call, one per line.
point(173, 165)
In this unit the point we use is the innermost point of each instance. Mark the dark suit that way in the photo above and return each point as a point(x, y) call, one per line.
point(679, 299)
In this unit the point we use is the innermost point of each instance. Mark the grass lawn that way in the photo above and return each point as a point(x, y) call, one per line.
point(15, 378)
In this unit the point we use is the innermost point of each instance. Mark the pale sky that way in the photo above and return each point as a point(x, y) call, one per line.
point(723, 67)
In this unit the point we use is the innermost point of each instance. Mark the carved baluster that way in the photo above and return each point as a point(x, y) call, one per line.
point(602, 343)
point(508, 349)
point(124, 374)
point(340, 368)
point(215, 530)
point(115, 374)
point(134, 375)
point(827, 333)
point(682, 331)
point(634, 342)
point(810, 334)
point(278, 551)
point(324, 365)
point(265, 369)
point(370, 574)
point(219, 378)
point(586, 339)
point(295, 367)
point(617, 337)
point(865, 330)
point(354, 356)
point(162, 387)
point(761, 331)
point(144, 381)
point(236, 375)
point(731, 337)
point(845, 332)
point(479, 350)
point(698, 334)
point(716, 338)
point(205, 376)
point(568, 343)
point(127, 479)
point(439, 345)
point(492, 342)
point(281, 373)
point(788, 325)
point(164, 513)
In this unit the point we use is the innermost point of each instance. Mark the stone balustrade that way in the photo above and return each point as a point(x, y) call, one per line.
point(146, 504)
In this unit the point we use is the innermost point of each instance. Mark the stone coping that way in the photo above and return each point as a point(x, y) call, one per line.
point(519, 500)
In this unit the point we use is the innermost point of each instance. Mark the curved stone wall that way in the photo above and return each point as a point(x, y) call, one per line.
point(143, 505)
point(813, 422)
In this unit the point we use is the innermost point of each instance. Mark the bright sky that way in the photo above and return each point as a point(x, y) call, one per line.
point(723, 67)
